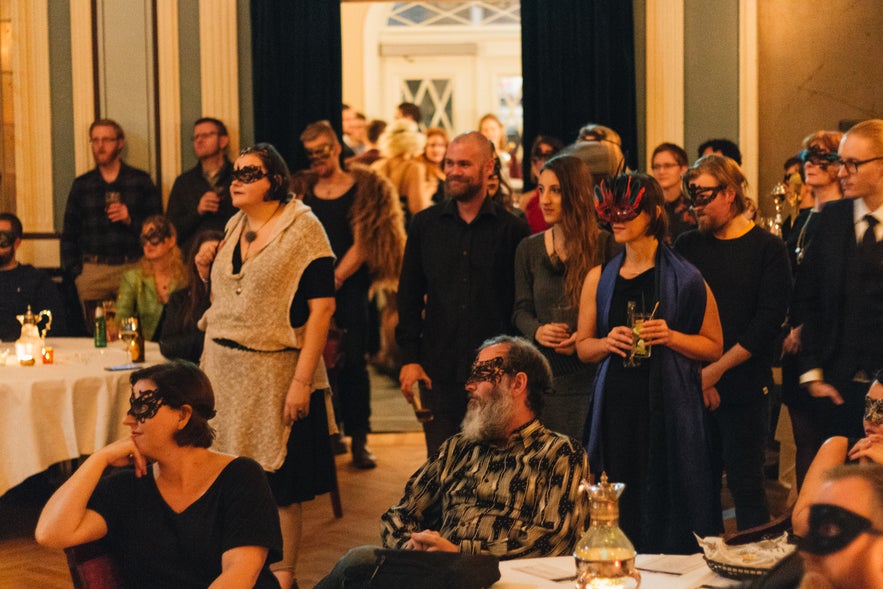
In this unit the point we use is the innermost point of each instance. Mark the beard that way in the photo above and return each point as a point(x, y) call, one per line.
point(464, 193)
point(488, 421)
point(6, 259)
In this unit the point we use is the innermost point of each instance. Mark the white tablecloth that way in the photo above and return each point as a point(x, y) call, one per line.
point(57, 412)
point(685, 572)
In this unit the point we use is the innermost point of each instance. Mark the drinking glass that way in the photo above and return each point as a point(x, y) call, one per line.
point(640, 350)
point(423, 415)
point(128, 331)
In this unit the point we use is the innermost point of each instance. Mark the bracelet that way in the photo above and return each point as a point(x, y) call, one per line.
point(302, 381)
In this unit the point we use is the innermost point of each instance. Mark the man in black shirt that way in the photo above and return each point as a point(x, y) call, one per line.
point(457, 285)
point(200, 197)
point(102, 220)
point(747, 270)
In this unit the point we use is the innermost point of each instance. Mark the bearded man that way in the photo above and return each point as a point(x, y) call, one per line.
point(457, 285)
point(504, 486)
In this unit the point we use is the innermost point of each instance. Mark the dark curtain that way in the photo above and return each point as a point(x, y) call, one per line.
point(297, 71)
point(578, 63)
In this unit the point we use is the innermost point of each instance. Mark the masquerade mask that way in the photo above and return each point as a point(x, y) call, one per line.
point(818, 157)
point(832, 528)
point(491, 371)
point(621, 202)
point(7, 238)
point(323, 152)
point(144, 406)
point(248, 174)
point(700, 196)
point(874, 410)
point(153, 237)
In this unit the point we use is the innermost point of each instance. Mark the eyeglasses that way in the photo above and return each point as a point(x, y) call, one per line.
point(700, 196)
point(661, 167)
point(248, 174)
point(323, 152)
point(853, 165)
point(145, 405)
point(7, 238)
point(103, 140)
point(833, 528)
point(153, 237)
point(819, 158)
point(198, 136)
point(873, 410)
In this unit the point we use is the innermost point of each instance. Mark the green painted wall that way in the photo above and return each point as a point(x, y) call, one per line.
point(246, 98)
point(190, 72)
point(63, 166)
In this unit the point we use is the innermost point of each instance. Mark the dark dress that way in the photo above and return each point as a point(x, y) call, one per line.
point(626, 416)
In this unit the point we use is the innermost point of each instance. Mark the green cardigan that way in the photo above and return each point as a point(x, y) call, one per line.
point(138, 297)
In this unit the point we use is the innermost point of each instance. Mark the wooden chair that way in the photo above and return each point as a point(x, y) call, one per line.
point(93, 567)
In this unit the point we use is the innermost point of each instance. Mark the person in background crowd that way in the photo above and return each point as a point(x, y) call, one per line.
point(400, 144)
point(841, 292)
point(185, 516)
point(450, 302)
point(360, 212)
point(647, 426)
point(499, 190)
point(820, 166)
point(461, 500)
point(200, 197)
point(723, 147)
point(264, 339)
point(354, 126)
point(180, 337)
point(669, 162)
point(103, 216)
point(432, 157)
point(594, 132)
point(22, 285)
point(748, 272)
point(550, 268)
point(409, 110)
point(491, 127)
point(372, 151)
point(145, 291)
point(543, 148)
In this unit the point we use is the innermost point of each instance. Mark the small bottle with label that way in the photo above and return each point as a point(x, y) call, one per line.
point(136, 348)
point(100, 334)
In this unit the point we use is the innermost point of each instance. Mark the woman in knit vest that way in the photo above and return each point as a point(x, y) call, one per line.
point(272, 289)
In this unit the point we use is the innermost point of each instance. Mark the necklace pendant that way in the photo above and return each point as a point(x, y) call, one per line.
point(250, 236)
point(238, 290)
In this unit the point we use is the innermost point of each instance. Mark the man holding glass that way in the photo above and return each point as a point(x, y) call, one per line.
point(842, 288)
point(102, 220)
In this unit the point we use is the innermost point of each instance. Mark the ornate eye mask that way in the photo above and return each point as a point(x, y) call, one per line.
point(153, 237)
point(248, 174)
point(832, 528)
point(491, 371)
point(874, 410)
point(620, 202)
point(7, 238)
point(819, 158)
point(323, 152)
point(146, 405)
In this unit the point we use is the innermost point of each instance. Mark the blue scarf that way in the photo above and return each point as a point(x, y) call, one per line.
point(680, 494)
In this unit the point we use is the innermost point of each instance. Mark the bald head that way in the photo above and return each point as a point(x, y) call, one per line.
point(483, 145)
point(468, 163)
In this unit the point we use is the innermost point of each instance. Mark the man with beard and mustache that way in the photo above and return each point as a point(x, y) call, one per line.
point(747, 270)
point(360, 212)
point(102, 221)
point(505, 486)
point(457, 285)
point(22, 285)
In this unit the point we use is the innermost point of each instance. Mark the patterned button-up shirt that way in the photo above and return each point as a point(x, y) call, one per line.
point(518, 501)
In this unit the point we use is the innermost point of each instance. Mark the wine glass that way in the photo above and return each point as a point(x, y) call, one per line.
point(128, 330)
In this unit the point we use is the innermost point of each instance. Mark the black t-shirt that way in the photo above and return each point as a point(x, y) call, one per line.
point(157, 547)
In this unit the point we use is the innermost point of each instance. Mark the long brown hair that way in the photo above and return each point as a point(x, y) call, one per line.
point(578, 222)
point(197, 291)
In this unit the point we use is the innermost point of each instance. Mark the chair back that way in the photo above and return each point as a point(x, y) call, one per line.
point(92, 566)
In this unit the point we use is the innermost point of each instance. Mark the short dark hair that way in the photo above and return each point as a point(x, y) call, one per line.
point(375, 130)
point(652, 203)
point(221, 127)
point(108, 123)
point(725, 146)
point(277, 170)
point(183, 383)
point(17, 227)
point(553, 142)
point(411, 111)
point(523, 356)
point(676, 150)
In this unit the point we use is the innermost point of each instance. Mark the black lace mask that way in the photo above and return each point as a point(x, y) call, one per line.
point(491, 371)
point(146, 405)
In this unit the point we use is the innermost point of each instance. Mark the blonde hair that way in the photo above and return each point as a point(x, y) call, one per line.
point(725, 171)
point(165, 227)
point(402, 137)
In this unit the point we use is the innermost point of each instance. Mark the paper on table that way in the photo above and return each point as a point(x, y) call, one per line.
point(549, 572)
point(670, 564)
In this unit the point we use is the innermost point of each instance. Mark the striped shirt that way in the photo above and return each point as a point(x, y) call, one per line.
point(518, 501)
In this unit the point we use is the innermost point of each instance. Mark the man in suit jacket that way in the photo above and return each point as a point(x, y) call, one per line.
point(843, 294)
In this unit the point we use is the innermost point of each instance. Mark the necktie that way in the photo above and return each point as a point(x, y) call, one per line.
point(869, 239)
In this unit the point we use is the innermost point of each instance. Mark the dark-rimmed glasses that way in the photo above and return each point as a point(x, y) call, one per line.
point(853, 165)
point(700, 196)
point(206, 135)
point(248, 174)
